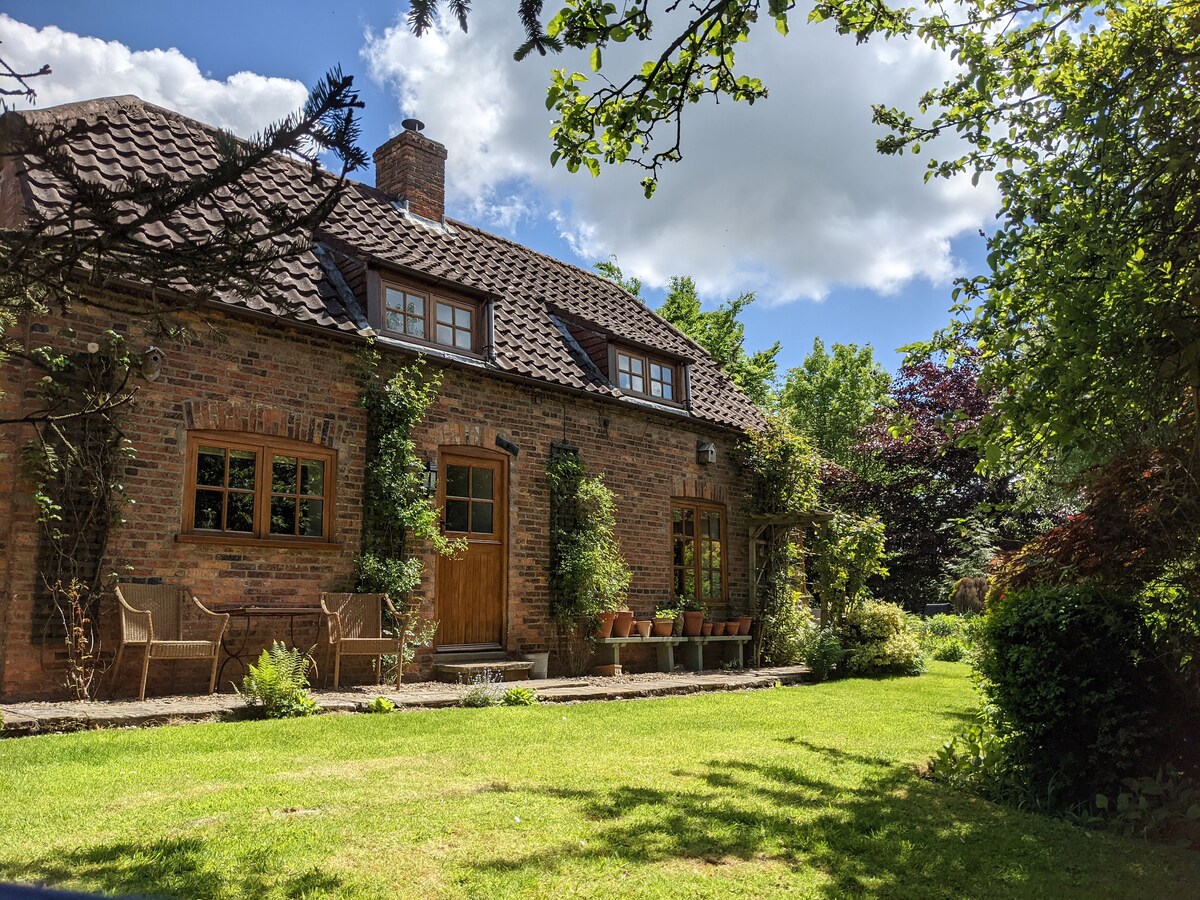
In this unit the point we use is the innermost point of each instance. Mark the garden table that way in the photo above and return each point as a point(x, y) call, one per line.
point(664, 645)
point(248, 615)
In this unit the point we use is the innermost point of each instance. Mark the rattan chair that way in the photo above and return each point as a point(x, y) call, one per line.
point(168, 623)
point(355, 623)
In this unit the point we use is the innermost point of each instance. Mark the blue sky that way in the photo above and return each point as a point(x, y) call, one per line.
point(786, 198)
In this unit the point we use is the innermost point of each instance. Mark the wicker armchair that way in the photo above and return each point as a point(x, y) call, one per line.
point(168, 623)
point(355, 624)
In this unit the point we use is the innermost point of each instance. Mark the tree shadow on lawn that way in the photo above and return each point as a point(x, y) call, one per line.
point(169, 867)
point(892, 833)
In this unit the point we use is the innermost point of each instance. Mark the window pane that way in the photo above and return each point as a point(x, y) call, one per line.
point(312, 477)
point(445, 335)
point(689, 581)
point(481, 518)
point(395, 322)
point(667, 392)
point(462, 340)
point(462, 318)
point(677, 552)
point(655, 389)
point(481, 484)
point(457, 479)
point(635, 365)
point(668, 374)
point(241, 469)
point(689, 521)
point(638, 385)
point(676, 520)
point(623, 381)
point(445, 313)
point(393, 299)
point(283, 475)
point(283, 515)
point(210, 466)
point(416, 327)
point(208, 509)
point(456, 514)
point(239, 512)
point(415, 305)
point(656, 371)
point(312, 518)
point(623, 362)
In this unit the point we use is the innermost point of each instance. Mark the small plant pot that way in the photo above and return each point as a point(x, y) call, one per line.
point(718, 629)
point(662, 627)
point(744, 624)
point(731, 627)
point(643, 628)
point(706, 629)
point(623, 624)
point(604, 630)
point(693, 622)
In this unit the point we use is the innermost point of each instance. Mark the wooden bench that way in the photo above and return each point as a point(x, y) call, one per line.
point(665, 646)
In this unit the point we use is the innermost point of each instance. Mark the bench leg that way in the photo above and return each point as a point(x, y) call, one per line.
point(695, 657)
point(666, 657)
point(741, 647)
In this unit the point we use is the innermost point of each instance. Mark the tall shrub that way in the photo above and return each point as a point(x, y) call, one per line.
point(588, 574)
point(846, 552)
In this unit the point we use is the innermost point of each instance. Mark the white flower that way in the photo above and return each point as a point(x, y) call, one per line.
point(93, 347)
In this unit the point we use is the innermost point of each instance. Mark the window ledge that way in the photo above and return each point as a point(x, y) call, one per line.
point(275, 543)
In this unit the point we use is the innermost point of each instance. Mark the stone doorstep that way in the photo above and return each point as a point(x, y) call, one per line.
point(464, 672)
point(78, 716)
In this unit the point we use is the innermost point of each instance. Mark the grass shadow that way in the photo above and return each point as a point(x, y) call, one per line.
point(170, 867)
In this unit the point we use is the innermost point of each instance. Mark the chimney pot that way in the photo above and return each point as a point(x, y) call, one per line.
point(412, 167)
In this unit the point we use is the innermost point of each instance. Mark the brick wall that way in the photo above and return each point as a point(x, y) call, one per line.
point(267, 378)
point(413, 167)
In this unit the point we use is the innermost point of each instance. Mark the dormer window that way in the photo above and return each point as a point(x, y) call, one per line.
point(419, 314)
point(638, 373)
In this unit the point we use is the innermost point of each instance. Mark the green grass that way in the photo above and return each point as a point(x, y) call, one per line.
point(807, 791)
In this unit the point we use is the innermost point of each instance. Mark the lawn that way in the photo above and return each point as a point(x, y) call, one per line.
point(806, 791)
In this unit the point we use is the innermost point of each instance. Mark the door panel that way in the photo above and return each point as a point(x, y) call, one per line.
point(471, 589)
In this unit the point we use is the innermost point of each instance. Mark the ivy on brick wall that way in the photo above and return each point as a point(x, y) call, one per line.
point(397, 511)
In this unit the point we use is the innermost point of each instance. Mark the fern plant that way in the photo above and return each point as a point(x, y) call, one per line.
point(278, 685)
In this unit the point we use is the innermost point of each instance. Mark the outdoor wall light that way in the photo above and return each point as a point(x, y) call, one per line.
point(431, 477)
point(706, 453)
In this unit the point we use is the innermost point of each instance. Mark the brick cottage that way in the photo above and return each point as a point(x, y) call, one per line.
point(533, 353)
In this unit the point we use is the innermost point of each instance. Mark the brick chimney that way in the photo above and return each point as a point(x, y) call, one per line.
point(413, 168)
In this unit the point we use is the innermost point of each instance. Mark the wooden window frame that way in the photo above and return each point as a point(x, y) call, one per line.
point(697, 507)
point(647, 360)
point(267, 447)
point(431, 299)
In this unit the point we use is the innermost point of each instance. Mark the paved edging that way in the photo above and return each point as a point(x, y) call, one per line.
point(22, 719)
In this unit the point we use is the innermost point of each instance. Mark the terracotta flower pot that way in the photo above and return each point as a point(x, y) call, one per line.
point(744, 624)
point(718, 629)
point(662, 627)
point(731, 627)
point(692, 623)
point(706, 629)
point(604, 629)
point(643, 627)
point(623, 623)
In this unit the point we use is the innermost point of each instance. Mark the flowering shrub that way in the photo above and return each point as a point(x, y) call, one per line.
point(879, 641)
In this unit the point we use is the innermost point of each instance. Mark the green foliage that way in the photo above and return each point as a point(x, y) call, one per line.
point(879, 641)
point(610, 270)
point(845, 553)
point(519, 696)
point(833, 395)
point(278, 685)
point(1071, 672)
point(484, 691)
point(723, 335)
point(946, 638)
point(1166, 804)
point(978, 760)
point(381, 705)
point(784, 469)
point(823, 652)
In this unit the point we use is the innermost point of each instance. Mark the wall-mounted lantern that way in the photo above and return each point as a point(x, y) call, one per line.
point(706, 453)
point(431, 477)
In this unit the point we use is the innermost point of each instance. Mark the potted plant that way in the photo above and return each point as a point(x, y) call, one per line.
point(718, 629)
point(604, 626)
point(643, 627)
point(693, 615)
point(665, 615)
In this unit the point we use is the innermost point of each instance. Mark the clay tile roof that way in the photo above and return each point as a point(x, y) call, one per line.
point(126, 135)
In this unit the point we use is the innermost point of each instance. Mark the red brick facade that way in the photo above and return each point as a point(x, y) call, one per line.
point(266, 377)
point(413, 167)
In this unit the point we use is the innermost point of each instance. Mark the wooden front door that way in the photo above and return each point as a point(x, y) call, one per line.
point(471, 589)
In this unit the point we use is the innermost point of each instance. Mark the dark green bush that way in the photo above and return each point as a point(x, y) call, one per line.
point(822, 652)
point(1071, 672)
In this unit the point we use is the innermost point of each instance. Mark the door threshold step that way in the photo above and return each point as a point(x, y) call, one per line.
point(464, 672)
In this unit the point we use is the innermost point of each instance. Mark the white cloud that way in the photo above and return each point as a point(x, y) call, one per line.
point(87, 67)
point(787, 197)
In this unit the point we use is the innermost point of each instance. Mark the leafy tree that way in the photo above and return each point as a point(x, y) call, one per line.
point(720, 332)
point(834, 395)
point(610, 270)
